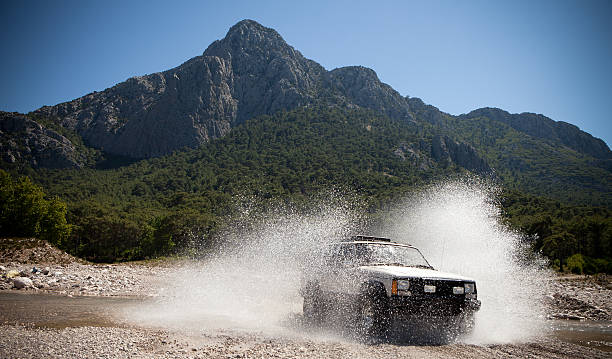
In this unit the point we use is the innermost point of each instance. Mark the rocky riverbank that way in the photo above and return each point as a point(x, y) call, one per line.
point(37, 267)
point(80, 279)
point(578, 297)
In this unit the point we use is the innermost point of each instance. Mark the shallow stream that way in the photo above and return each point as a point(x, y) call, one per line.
point(52, 311)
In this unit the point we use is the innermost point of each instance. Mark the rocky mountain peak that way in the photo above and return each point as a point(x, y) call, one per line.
point(250, 32)
point(249, 39)
point(252, 71)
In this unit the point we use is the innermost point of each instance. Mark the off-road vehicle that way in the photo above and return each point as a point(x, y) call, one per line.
point(373, 281)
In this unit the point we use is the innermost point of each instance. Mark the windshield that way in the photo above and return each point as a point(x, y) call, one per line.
point(361, 254)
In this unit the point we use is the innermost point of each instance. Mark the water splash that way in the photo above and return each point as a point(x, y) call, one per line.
point(252, 283)
point(457, 226)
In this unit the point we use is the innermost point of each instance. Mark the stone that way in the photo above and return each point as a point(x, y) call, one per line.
point(445, 150)
point(22, 282)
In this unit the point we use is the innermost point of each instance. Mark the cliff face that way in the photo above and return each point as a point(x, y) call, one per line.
point(25, 141)
point(445, 150)
point(252, 71)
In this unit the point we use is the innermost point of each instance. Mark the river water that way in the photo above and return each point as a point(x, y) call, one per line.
point(52, 311)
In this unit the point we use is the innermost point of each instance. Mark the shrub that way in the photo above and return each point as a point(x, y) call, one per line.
point(575, 263)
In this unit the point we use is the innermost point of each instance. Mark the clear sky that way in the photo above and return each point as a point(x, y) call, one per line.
point(549, 57)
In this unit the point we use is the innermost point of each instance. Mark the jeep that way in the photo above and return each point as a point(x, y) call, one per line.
point(372, 282)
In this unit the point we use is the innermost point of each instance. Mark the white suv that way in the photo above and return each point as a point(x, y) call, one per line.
point(372, 281)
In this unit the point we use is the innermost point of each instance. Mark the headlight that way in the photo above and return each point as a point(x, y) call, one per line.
point(403, 284)
point(400, 287)
point(429, 288)
point(458, 290)
point(469, 287)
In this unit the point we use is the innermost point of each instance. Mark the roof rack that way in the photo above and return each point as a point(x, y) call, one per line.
point(370, 238)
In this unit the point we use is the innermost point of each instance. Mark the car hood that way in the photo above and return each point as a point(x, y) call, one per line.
point(411, 272)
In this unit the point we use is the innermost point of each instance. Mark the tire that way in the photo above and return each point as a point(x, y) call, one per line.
point(466, 323)
point(458, 326)
point(373, 315)
point(314, 313)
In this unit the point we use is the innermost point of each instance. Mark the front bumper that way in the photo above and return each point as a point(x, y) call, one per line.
point(426, 305)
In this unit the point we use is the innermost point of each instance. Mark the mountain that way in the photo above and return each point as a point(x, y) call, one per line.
point(23, 140)
point(252, 71)
point(370, 158)
point(542, 127)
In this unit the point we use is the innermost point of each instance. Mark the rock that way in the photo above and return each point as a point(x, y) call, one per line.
point(2, 269)
point(542, 127)
point(566, 316)
point(25, 140)
point(445, 150)
point(22, 282)
point(12, 274)
point(46, 270)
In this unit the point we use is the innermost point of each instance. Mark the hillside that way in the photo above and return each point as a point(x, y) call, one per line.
point(149, 162)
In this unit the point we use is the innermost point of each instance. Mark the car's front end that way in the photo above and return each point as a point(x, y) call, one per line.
point(425, 291)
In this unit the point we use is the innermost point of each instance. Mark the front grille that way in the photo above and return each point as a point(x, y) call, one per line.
point(440, 303)
point(443, 287)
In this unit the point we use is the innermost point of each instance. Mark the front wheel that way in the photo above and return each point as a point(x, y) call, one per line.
point(313, 310)
point(373, 317)
point(458, 326)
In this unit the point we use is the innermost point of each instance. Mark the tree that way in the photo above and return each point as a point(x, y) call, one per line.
point(24, 211)
point(560, 246)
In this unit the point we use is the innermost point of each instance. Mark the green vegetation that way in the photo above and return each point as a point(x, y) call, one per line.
point(152, 207)
point(535, 166)
point(125, 210)
point(26, 212)
point(576, 238)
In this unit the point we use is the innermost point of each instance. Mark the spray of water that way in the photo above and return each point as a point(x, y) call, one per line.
point(457, 226)
point(252, 283)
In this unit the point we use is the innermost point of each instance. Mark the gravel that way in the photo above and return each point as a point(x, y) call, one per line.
point(581, 297)
point(108, 342)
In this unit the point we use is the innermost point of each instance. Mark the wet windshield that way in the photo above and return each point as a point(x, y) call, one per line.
point(379, 254)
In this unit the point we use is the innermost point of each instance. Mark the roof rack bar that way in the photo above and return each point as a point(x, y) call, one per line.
point(370, 238)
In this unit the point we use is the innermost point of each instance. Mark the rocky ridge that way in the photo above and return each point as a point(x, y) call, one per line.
point(540, 126)
point(446, 150)
point(25, 141)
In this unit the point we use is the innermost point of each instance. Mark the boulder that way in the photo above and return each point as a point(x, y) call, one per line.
point(22, 282)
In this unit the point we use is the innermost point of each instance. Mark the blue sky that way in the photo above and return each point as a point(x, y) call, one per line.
point(548, 57)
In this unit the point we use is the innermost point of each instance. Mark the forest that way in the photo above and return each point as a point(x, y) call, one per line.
point(156, 207)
